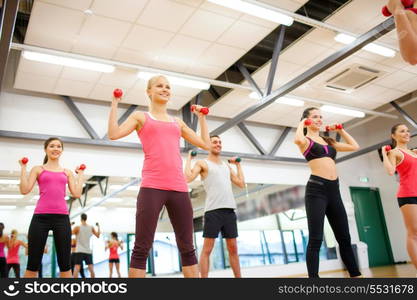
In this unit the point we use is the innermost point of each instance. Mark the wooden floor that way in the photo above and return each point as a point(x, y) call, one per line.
point(393, 271)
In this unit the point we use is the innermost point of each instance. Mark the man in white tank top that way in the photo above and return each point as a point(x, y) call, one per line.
point(83, 251)
point(219, 212)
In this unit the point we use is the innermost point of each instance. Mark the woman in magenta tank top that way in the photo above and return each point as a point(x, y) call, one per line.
point(4, 240)
point(13, 246)
point(163, 182)
point(113, 245)
point(51, 211)
point(404, 161)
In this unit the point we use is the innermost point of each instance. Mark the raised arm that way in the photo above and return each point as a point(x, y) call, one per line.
point(191, 174)
point(406, 23)
point(237, 178)
point(27, 182)
point(97, 232)
point(300, 140)
point(349, 145)
point(75, 184)
point(202, 141)
point(116, 131)
point(389, 160)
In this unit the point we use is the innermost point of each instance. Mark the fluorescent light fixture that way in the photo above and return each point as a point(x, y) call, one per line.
point(195, 84)
point(344, 38)
point(9, 181)
point(11, 196)
point(372, 47)
point(30, 207)
point(343, 111)
point(290, 101)
point(68, 62)
point(255, 96)
point(255, 10)
point(35, 198)
point(282, 100)
point(377, 49)
point(4, 207)
point(130, 188)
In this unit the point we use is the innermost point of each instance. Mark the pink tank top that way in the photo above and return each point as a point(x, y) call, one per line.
point(113, 251)
point(2, 244)
point(52, 187)
point(407, 169)
point(13, 254)
point(162, 168)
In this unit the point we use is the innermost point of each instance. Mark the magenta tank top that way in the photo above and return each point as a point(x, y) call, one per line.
point(52, 187)
point(162, 168)
point(2, 244)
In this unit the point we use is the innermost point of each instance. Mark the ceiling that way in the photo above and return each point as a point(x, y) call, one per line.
point(180, 36)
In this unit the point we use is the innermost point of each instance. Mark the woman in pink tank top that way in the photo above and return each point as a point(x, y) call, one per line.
point(113, 245)
point(404, 161)
point(13, 246)
point(163, 181)
point(51, 212)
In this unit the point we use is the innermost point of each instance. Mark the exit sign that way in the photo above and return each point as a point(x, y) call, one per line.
point(364, 179)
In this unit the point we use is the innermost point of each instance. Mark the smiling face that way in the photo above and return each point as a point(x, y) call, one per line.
point(159, 89)
point(401, 134)
point(315, 116)
point(53, 149)
point(216, 145)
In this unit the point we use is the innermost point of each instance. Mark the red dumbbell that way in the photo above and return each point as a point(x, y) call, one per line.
point(414, 10)
point(203, 110)
point(388, 148)
point(82, 167)
point(25, 160)
point(117, 93)
point(338, 127)
point(308, 122)
point(406, 3)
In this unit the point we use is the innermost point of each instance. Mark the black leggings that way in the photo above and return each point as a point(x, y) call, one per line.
point(3, 268)
point(38, 233)
point(323, 198)
point(16, 269)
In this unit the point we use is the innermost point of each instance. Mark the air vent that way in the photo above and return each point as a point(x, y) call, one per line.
point(353, 78)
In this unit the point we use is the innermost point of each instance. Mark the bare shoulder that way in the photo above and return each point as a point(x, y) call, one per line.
point(203, 164)
point(139, 116)
point(180, 122)
point(37, 169)
point(68, 172)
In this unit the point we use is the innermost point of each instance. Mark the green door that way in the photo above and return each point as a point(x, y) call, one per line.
point(371, 225)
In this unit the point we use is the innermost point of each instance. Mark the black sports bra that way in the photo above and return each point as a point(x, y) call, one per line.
point(316, 150)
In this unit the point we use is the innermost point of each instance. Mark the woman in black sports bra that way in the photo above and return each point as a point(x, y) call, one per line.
point(322, 196)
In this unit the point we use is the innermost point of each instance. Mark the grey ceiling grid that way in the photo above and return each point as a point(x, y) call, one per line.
point(262, 53)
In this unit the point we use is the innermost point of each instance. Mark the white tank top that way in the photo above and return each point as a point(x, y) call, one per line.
point(218, 187)
point(83, 239)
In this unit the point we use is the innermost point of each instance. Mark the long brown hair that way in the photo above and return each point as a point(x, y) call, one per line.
point(306, 114)
point(1, 229)
point(393, 130)
point(46, 144)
